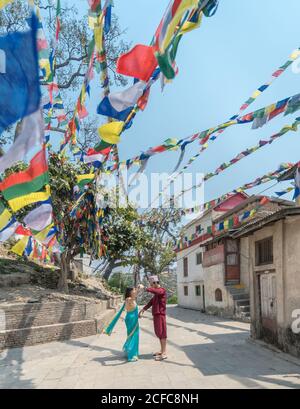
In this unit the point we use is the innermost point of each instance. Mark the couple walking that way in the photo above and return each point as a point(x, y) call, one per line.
point(158, 304)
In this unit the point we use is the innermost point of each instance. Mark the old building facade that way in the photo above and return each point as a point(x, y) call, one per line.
point(274, 278)
point(191, 282)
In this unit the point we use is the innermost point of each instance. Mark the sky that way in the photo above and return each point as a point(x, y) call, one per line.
point(220, 65)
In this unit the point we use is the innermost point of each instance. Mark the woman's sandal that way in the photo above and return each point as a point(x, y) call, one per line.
point(161, 357)
point(157, 354)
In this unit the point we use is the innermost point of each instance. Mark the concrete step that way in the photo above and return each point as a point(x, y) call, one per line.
point(244, 308)
point(243, 296)
point(54, 332)
point(237, 290)
point(243, 302)
point(232, 283)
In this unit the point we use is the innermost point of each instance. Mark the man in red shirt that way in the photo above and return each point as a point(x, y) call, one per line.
point(159, 306)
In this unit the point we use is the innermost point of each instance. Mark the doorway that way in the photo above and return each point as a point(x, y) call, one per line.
point(268, 306)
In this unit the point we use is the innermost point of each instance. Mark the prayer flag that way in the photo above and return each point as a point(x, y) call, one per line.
point(31, 134)
point(20, 246)
point(5, 216)
point(19, 80)
point(110, 132)
point(120, 104)
point(39, 218)
point(8, 230)
point(140, 62)
point(4, 3)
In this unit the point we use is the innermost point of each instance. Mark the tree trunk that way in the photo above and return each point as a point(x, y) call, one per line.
point(136, 275)
point(65, 267)
point(108, 270)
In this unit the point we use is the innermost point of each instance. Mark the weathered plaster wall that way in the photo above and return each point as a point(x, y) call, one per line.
point(214, 279)
point(245, 264)
point(286, 265)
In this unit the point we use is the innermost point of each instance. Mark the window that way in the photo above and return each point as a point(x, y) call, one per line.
point(198, 290)
point(232, 259)
point(198, 258)
point(186, 290)
point(232, 248)
point(185, 267)
point(264, 251)
point(218, 295)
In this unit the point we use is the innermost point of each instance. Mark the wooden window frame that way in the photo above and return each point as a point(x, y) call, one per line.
point(185, 267)
point(260, 259)
point(201, 258)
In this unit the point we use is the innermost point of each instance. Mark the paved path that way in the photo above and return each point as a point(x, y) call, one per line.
point(204, 352)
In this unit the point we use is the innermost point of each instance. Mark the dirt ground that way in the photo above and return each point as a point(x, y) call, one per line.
point(12, 268)
point(86, 290)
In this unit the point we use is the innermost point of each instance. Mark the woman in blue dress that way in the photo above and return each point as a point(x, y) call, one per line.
point(131, 346)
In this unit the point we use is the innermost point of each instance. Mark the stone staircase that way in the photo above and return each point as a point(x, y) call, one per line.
point(241, 300)
point(37, 323)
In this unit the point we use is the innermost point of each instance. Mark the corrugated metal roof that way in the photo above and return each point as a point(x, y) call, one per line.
point(272, 217)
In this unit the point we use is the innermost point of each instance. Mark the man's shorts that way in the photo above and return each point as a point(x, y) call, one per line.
point(160, 326)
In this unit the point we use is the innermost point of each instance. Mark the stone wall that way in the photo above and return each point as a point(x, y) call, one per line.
point(14, 279)
point(48, 313)
point(30, 324)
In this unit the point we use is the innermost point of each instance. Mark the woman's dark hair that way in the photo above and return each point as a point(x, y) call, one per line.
point(128, 292)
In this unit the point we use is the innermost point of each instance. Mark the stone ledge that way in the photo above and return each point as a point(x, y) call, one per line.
point(55, 332)
point(27, 315)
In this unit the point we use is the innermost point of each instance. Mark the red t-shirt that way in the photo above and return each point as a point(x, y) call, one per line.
point(158, 302)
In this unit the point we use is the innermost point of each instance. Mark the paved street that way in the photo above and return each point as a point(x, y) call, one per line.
point(204, 352)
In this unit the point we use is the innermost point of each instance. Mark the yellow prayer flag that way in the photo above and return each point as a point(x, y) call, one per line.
point(256, 94)
point(295, 54)
point(84, 177)
point(4, 3)
point(270, 109)
point(111, 131)
point(20, 246)
point(41, 236)
point(184, 6)
point(45, 64)
point(190, 26)
point(98, 31)
point(22, 201)
point(5, 217)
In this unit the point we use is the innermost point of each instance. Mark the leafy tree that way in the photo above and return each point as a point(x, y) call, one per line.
point(123, 236)
point(120, 281)
point(160, 231)
point(145, 241)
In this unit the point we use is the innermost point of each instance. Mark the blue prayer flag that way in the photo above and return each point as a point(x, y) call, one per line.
point(19, 75)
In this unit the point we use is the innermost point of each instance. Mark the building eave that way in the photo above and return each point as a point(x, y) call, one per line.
point(260, 223)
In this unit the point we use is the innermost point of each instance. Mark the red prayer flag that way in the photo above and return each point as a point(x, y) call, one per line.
point(264, 201)
point(22, 231)
point(140, 62)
